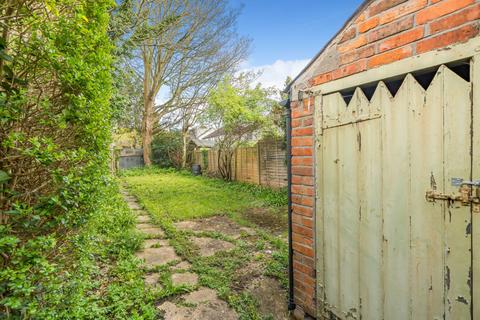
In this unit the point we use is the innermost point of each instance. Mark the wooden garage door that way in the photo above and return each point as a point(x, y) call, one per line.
point(394, 237)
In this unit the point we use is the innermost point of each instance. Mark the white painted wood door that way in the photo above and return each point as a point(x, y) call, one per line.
point(385, 250)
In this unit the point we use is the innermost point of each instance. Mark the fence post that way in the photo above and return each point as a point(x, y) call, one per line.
point(259, 164)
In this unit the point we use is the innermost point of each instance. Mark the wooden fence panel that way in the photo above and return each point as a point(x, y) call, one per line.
point(212, 161)
point(263, 164)
point(246, 165)
point(273, 167)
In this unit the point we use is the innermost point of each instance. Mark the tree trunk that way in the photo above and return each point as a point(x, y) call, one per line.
point(184, 148)
point(147, 131)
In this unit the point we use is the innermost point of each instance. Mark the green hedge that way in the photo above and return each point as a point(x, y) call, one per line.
point(62, 223)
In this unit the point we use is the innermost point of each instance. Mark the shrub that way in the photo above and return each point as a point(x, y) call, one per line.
point(167, 149)
point(59, 220)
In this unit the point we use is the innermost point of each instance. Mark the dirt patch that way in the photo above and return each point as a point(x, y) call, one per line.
point(245, 275)
point(275, 221)
point(220, 224)
point(267, 291)
point(208, 246)
point(157, 256)
point(270, 297)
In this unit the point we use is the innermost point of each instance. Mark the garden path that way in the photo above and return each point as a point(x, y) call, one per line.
point(202, 303)
point(164, 267)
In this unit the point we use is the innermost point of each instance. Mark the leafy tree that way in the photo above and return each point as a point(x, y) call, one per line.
point(279, 116)
point(183, 47)
point(127, 95)
point(284, 95)
point(242, 113)
point(127, 99)
point(167, 149)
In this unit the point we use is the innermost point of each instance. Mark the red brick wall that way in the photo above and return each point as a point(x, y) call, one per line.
point(302, 204)
point(385, 32)
point(391, 30)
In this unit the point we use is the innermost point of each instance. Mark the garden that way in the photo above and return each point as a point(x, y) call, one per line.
point(75, 234)
point(226, 240)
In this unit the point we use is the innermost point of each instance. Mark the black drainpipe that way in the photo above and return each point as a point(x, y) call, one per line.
point(291, 300)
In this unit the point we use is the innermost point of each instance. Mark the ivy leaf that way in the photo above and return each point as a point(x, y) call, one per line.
point(4, 177)
point(4, 56)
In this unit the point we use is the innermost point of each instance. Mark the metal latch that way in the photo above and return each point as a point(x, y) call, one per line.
point(465, 194)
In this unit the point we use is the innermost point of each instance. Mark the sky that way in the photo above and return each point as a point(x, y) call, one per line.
point(287, 34)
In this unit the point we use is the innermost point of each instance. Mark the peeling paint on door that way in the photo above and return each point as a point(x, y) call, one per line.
point(396, 231)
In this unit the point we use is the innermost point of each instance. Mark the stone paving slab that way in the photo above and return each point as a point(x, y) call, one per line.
point(184, 265)
point(157, 256)
point(187, 278)
point(153, 231)
point(220, 224)
point(141, 226)
point(201, 295)
point(155, 243)
point(150, 229)
point(143, 219)
point(152, 279)
point(134, 205)
point(129, 198)
point(208, 246)
point(213, 310)
point(173, 312)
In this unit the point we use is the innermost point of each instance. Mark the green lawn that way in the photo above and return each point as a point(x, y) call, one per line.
point(171, 196)
point(181, 196)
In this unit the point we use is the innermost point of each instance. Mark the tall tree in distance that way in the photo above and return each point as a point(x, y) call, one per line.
point(183, 48)
point(278, 112)
point(242, 113)
point(127, 97)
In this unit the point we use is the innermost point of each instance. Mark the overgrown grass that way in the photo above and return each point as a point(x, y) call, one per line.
point(96, 276)
point(185, 196)
point(171, 196)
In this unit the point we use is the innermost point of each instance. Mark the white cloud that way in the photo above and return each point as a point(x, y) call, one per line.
point(274, 75)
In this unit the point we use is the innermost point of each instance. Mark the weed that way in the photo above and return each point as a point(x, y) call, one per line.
point(172, 196)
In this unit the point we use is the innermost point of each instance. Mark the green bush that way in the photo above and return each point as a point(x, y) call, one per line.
point(62, 222)
point(167, 149)
point(94, 276)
